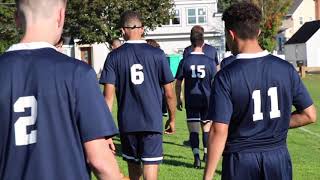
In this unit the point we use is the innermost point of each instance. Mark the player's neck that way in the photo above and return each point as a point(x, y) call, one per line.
point(38, 34)
point(134, 38)
point(249, 47)
point(197, 49)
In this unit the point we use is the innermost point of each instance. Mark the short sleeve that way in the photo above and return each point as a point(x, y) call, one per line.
point(165, 74)
point(108, 75)
point(220, 105)
point(93, 116)
point(186, 52)
point(301, 97)
point(180, 73)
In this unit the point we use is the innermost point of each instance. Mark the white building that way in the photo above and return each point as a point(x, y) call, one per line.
point(175, 36)
point(304, 45)
point(95, 54)
point(300, 12)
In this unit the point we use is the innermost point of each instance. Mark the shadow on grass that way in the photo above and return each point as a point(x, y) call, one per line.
point(172, 162)
point(172, 143)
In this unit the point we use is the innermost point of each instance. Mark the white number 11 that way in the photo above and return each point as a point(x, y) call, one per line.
point(275, 112)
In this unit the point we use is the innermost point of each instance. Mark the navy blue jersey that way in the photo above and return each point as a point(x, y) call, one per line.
point(226, 61)
point(138, 71)
point(50, 105)
point(197, 70)
point(254, 95)
point(208, 50)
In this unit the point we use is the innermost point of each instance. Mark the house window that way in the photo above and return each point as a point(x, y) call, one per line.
point(176, 20)
point(301, 20)
point(196, 16)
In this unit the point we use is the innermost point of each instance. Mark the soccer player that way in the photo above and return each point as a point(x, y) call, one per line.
point(54, 120)
point(226, 61)
point(136, 72)
point(207, 49)
point(251, 104)
point(197, 70)
point(115, 43)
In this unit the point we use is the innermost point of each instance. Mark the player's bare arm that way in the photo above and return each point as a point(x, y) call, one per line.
point(178, 94)
point(109, 91)
point(101, 159)
point(305, 117)
point(216, 143)
point(171, 103)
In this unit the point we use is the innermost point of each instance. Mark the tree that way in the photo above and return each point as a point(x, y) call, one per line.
point(98, 20)
point(8, 32)
point(273, 14)
point(91, 20)
point(224, 4)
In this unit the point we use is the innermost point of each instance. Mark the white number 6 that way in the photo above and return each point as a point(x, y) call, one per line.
point(137, 76)
point(20, 126)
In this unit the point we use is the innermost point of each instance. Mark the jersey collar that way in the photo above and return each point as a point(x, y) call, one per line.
point(136, 41)
point(197, 53)
point(252, 56)
point(30, 46)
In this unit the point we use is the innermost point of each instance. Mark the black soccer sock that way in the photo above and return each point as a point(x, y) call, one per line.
point(194, 142)
point(205, 137)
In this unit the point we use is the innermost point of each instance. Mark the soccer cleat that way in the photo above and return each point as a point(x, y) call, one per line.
point(197, 163)
point(205, 157)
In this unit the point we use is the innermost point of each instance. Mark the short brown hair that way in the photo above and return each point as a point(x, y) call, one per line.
point(197, 36)
point(153, 43)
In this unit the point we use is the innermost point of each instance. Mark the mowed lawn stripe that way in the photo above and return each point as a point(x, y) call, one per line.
point(304, 147)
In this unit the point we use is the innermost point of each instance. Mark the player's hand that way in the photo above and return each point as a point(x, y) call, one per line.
point(179, 105)
point(111, 146)
point(170, 127)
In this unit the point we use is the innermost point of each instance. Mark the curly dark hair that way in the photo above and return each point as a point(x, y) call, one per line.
point(244, 18)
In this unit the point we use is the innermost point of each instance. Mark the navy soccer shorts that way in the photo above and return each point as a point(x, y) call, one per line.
point(197, 115)
point(145, 147)
point(268, 165)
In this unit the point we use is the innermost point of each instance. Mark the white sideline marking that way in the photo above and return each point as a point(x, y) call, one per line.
point(310, 132)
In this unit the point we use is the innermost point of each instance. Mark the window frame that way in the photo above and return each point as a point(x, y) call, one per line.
point(197, 16)
point(171, 19)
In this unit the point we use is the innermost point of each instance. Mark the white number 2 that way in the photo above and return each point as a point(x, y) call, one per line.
point(20, 126)
point(137, 76)
point(200, 72)
point(275, 112)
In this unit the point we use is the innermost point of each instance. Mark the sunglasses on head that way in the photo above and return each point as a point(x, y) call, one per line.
point(133, 27)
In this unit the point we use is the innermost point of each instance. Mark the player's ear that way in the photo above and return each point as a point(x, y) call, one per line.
point(122, 32)
point(232, 34)
point(61, 17)
point(259, 32)
point(142, 31)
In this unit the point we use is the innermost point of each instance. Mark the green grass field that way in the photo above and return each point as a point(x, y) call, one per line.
point(303, 146)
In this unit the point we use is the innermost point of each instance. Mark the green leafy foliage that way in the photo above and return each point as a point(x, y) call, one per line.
point(8, 32)
point(91, 20)
point(97, 20)
point(273, 14)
